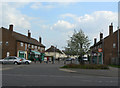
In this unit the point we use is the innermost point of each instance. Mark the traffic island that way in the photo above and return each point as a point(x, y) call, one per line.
point(86, 66)
point(91, 69)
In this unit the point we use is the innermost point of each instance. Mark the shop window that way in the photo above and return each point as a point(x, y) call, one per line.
point(21, 44)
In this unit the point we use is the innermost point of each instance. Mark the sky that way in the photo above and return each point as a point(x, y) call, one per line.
point(55, 22)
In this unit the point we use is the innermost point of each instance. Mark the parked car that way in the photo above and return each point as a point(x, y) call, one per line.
point(11, 60)
point(24, 61)
point(69, 59)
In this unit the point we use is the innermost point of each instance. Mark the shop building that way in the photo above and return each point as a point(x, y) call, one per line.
point(107, 50)
point(16, 44)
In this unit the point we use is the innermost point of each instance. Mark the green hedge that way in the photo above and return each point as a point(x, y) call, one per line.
point(86, 66)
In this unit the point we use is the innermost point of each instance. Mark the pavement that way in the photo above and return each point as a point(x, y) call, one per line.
point(111, 72)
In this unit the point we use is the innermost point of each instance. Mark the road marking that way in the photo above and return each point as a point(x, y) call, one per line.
point(1, 69)
point(67, 70)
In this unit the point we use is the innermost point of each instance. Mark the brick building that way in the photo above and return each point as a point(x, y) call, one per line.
point(16, 44)
point(109, 47)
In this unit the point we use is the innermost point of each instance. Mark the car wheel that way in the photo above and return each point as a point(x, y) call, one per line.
point(2, 62)
point(16, 63)
point(27, 62)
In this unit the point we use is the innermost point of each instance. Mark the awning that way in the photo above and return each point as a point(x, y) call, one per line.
point(21, 52)
point(35, 52)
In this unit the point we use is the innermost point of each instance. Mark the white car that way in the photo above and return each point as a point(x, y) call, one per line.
point(11, 60)
point(24, 61)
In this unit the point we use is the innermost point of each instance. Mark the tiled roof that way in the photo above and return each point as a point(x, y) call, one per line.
point(98, 43)
point(53, 49)
point(23, 38)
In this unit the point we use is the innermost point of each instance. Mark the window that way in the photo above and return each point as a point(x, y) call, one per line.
point(28, 45)
point(25, 46)
point(8, 54)
point(42, 49)
point(6, 43)
point(114, 45)
point(21, 44)
point(35, 47)
point(38, 47)
point(32, 46)
point(0, 42)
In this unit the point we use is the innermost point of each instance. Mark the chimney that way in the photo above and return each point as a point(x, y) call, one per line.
point(111, 29)
point(40, 40)
point(95, 41)
point(29, 34)
point(101, 36)
point(11, 27)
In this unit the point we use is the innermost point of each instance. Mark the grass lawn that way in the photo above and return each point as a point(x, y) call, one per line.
point(117, 66)
point(86, 66)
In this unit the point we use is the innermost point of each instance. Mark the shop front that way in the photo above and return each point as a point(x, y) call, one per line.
point(22, 54)
point(35, 55)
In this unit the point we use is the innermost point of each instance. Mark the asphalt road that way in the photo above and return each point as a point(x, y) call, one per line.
point(50, 75)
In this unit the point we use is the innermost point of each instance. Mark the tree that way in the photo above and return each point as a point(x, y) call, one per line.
point(79, 44)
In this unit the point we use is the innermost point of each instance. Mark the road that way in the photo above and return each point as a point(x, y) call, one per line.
point(50, 75)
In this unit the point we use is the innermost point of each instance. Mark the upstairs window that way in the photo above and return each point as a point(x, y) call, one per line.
point(35, 47)
point(0, 42)
point(25, 46)
point(28, 45)
point(38, 47)
point(32, 46)
point(114, 45)
point(21, 44)
point(6, 43)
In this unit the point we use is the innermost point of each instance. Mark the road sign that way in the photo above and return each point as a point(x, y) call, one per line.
point(100, 50)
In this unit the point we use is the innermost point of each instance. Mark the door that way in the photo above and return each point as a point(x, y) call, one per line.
point(6, 60)
point(11, 60)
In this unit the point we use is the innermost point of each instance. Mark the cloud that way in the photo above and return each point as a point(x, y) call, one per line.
point(62, 25)
point(10, 15)
point(94, 23)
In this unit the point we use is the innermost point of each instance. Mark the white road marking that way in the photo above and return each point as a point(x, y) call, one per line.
point(67, 70)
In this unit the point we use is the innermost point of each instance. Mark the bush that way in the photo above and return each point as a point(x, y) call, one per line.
point(86, 66)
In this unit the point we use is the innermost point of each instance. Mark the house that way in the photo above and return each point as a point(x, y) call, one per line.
point(54, 52)
point(107, 50)
point(16, 44)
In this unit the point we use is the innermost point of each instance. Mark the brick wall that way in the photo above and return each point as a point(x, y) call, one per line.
point(110, 52)
point(11, 47)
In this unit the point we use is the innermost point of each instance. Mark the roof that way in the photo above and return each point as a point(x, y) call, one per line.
point(98, 43)
point(53, 49)
point(23, 38)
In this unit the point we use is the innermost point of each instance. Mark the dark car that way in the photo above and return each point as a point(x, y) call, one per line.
point(69, 59)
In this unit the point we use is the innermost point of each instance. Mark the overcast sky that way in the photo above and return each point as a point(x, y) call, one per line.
point(55, 21)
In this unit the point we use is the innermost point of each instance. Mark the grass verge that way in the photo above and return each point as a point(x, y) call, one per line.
point(116, 66)
point(86, 66)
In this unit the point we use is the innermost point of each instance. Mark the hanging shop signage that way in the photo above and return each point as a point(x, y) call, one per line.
point(100, 50)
